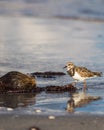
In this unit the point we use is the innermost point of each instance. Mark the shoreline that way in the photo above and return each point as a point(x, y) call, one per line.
point(43, 122)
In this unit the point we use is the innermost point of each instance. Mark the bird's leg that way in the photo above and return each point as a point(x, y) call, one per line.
point(85, 86)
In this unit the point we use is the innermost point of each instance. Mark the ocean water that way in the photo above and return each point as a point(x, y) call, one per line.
point(43, 35)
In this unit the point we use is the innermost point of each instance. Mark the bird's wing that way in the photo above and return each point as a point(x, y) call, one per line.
point(84, 72)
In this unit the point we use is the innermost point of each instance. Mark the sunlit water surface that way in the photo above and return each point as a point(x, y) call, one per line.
point(30, 44)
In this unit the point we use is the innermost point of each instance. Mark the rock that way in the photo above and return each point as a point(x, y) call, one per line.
point(65, 88)
point(16, 81)
point(47, 74)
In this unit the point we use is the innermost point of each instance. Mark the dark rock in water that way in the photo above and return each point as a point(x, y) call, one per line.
point(16, 81)
point(48, 74)
point(65, 88)
point(47, 89)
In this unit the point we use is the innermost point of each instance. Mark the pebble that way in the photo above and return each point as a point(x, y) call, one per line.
point(51, 117)
point(9, 109)
point(34, 128)
point(38, 110)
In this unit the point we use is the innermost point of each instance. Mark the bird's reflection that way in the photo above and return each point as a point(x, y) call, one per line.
point(17, 100)
point(79, 99)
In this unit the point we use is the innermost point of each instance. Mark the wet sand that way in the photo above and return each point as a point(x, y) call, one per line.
point(72, 122)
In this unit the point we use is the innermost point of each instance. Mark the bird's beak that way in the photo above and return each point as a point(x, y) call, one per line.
point(64, 67)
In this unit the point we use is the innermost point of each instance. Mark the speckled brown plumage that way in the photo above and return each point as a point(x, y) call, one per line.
point(84, 72)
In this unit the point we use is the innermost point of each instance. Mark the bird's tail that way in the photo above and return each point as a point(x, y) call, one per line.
point(98, 74)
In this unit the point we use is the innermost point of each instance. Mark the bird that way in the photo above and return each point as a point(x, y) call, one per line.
point(80, 73)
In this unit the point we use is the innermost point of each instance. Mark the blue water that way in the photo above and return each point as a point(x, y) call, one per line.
point(93, 9)
point(43, 36)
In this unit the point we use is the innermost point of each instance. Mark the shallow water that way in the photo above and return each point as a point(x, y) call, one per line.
point(30, 44)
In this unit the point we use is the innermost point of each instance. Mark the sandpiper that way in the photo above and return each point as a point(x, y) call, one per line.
point(80, 73)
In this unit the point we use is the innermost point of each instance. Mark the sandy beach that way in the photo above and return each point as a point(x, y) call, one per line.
point(43, 35)
point(72, 122)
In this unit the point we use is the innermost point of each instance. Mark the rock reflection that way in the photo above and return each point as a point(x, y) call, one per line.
point(17, 100)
